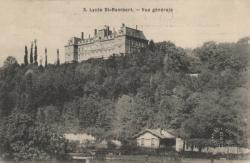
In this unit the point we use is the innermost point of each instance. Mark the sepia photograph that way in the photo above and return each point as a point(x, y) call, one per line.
point(124, 81)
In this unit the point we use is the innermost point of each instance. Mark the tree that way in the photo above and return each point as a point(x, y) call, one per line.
point(123, 117)
point(88, 112)
point(9, 75)
point(70, 116)
point(9, 61)
point(105, 115)
point(26, 139)
point(46, 59)
point(132, 114)
point(222, 56)
point(26, 56)
point(58, 57)
point(176, 61)
point(151, 45)
point(35, 54)
point(31, 53)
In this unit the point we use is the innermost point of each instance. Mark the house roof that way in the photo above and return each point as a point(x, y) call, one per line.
point(135, 33)
point(162, 134)
point(81, 137)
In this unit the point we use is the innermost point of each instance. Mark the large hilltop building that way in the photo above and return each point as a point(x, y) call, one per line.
point(105, 43)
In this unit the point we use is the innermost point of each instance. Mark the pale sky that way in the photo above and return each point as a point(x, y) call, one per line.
point(53, 22)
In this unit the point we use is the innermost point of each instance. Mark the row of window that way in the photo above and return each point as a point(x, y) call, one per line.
point(130, 42)
point(80, 49)
point(136, 43)
point(134, 49)
point(98, 51)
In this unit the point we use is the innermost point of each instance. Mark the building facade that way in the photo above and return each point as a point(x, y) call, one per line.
point(158, 138)
point(105, 43)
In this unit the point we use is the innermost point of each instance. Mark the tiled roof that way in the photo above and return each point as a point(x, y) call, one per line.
point(163, 134)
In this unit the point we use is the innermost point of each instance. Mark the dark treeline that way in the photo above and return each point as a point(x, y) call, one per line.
point(200, 93)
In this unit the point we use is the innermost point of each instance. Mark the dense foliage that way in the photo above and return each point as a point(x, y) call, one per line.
point(199, 95)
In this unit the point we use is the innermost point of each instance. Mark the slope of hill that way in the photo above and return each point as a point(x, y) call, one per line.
point(121, 95)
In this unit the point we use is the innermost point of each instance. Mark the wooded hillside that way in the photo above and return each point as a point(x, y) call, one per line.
point(198, 92)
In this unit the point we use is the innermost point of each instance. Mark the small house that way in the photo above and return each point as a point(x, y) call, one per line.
point(158, 138)
point(81, 138)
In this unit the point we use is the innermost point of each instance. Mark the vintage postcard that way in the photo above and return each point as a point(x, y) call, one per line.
point(124, 81)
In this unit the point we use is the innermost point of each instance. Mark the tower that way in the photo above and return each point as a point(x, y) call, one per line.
point(71, 50)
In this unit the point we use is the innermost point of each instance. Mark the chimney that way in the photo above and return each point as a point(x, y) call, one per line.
point(95, 32)
point(82, 35)
point(123, 25)
point(89, 35)
point(136, 27)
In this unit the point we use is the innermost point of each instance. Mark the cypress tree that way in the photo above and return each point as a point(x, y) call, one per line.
point(26, 56)
point(58, 58)
point(31, 53)
point(46, 62)
point(35, 54)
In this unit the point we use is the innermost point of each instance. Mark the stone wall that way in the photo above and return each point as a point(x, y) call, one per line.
point(134, 45)
point(71, 53)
